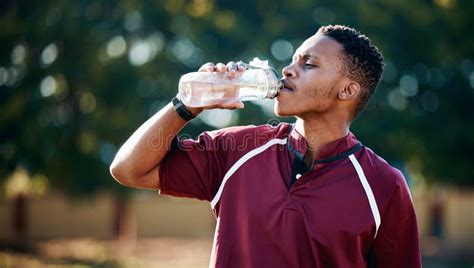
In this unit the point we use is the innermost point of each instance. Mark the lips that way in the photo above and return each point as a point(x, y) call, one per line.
point(287, 86)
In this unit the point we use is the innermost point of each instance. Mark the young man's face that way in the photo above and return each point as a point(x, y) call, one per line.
point(313, 79)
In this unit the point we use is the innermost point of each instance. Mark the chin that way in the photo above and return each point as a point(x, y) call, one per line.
point(281, 111)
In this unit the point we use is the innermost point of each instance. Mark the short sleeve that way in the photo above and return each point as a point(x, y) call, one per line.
point(193, 168)
point(397, 242)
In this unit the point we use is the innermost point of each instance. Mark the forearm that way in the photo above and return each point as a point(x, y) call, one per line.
point(136, 163)
point(146, 148)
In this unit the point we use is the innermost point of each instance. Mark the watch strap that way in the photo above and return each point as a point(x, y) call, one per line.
point(181, 109)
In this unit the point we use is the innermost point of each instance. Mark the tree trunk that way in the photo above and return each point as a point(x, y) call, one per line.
point(124, 223)
point(19, 223)
point(124, 226)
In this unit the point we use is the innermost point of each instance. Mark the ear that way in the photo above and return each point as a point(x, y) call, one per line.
point(350, 91)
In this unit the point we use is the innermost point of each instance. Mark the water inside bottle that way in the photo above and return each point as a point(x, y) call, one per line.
point(198, 94)
point(252, 92)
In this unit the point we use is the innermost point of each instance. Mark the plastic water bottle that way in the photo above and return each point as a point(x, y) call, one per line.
point(258, 81)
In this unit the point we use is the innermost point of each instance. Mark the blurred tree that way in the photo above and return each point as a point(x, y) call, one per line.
point(78, 77)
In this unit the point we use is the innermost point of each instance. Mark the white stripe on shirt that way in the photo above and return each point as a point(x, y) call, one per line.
point(240, 162)
point(368, 192)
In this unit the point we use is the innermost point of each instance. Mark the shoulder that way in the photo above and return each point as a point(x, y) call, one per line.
point(256, 134)
point(234, 142)
point(379, 167)
point(384, 179)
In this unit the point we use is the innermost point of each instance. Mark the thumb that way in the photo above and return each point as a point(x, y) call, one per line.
point(232, 105)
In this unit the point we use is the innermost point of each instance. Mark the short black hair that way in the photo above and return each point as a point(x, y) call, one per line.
point(362, 61)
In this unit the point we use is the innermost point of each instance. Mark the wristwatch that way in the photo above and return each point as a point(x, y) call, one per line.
point(181, 109)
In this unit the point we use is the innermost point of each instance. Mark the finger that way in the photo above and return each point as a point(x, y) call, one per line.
point(231, 69)
point(241, 66)
point(220, 67)
point(226, 105)
point(230, 75)
point(208, 67)
point(232, 105)
point(232, 66)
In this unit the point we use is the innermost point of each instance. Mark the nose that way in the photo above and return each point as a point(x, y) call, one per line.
point(289, 71)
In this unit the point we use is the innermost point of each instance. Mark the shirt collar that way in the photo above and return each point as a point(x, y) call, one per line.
point(297, 144)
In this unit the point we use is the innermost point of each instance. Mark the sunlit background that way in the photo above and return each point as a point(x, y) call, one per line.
point(78, 77)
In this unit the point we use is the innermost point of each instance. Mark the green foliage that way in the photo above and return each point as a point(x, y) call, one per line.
point(112, 64)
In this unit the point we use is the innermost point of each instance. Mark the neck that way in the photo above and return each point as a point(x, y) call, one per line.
point(319, 131)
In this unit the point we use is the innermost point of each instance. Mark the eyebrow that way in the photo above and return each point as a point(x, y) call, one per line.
point(307, 56)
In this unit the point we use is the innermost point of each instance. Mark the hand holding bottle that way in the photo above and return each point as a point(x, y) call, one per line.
point(226, 86)
point(221, 72)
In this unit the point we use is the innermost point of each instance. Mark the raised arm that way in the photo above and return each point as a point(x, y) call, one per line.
point(136, 163)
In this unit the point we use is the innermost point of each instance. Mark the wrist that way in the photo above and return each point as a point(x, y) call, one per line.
point(194, 110)
point(186, 113)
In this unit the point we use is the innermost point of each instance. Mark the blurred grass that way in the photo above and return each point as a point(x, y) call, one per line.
point(84, 252)
point(150, 252)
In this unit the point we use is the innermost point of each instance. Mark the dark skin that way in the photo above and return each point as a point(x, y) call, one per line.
point(317, 93)
point(322, 97)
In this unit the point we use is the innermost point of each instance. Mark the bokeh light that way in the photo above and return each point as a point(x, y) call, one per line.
point(225, 20)
point(186, 52)
point(409, 85)
point(87, 142)
point(182, 48)
point(471, 80)
point(219, 118)
point(116, 47)
point(144, 50)
point(48, 86)
point(87, 102)
point(282, 50)
point(49, 54)
point(199, 8)
point(18, 54)
point(3, 75)
point(397, 100)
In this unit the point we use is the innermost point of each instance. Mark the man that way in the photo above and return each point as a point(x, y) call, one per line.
point(296, 195)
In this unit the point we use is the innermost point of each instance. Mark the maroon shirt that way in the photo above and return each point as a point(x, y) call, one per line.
point(351, 209)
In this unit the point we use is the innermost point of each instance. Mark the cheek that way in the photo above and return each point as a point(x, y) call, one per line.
point(324, 89)
point(317, 93)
